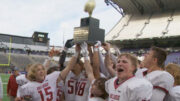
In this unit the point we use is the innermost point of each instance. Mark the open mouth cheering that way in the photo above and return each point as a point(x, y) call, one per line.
point(120, 70)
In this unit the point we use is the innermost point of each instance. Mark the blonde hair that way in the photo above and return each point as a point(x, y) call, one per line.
point(174, 70)
point(100, 83)
point(131, 57)
point(32, 71)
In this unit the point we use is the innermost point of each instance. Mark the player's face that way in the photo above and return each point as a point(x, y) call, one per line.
point(16, 73)
point(124, 68)
point(77, 68)
point(96, 91)
point(40, 73)
point(148, 59)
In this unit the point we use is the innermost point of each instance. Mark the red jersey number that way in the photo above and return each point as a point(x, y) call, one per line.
point(79, 87)
point(70, 87)
point(49, 94)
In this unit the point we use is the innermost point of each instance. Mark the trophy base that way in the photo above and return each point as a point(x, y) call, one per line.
point(89, 31)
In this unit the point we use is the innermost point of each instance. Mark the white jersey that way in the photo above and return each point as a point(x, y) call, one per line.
point(70, 85)
point(96, 99)
point(60, 90)
point(174, 94)
point(42, 91)
point(133, 89)
point(162, 82)
point(76, 87)
point(141, 72)
point(21, 80)
point(82, 88)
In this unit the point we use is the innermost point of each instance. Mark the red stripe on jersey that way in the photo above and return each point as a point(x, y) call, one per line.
point(145, 73)
point(161, 88)
point(117, 85)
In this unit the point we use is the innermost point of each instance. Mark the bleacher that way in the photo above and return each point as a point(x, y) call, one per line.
point(140, 26)
point(4, 58)
point(21, 60)
point(146, 23)
point(41, 59)
point(135, 25)
point(38, 58)
point(156, 26)
point(117, 28)
point(174, 25)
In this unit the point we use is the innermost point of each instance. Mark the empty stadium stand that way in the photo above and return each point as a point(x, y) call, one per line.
point(20, 51)
point(173, 29)
point(157, 26)
point(4, 58)
point(21, 60)
point(146, 23)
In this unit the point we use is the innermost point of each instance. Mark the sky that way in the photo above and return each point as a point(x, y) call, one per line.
point(56, 17)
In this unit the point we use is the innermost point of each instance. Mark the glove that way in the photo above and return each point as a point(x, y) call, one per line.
point(84, 50)
point(69, 43)
point(97, 45)
point(117, 51)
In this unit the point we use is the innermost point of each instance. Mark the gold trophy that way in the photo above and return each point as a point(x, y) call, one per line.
point(89, 7)
point(89, 30)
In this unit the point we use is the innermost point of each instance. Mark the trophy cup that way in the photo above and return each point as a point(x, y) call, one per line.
point(89, 30)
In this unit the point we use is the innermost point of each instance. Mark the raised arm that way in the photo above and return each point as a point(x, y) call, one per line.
point(47, 61)
point(87, 64)
point(103, 68)
point(108, 62)
point(69, 43)
point(96, 62)
point(70, 65)
point(90, 54)
point(62, 59)
point(89, 70)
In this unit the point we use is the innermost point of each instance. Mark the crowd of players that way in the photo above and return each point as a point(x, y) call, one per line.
point(109, 77)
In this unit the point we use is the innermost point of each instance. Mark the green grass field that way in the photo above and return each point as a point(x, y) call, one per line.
point(5, 78)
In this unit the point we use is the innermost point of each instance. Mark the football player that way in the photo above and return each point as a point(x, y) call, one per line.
point(97, 90)
point(161, 80)
point(42, 87)
point(125, 86)
point(174, 93)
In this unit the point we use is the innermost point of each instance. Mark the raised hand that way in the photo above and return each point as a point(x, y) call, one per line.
point(97, 45)
point(84, 49)
point(53, 52)
point(69, 43)
point(77, 49)
point(106, 47)
point(117, 51)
